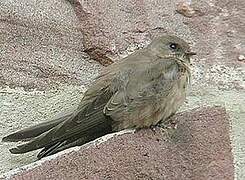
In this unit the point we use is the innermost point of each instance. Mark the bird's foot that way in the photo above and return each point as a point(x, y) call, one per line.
point(167, 129)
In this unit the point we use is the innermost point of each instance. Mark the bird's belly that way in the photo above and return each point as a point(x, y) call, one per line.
point(168, 105)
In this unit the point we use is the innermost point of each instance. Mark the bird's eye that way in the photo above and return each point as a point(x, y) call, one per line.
point(173, 46)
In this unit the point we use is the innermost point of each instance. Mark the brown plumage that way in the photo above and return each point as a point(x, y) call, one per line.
point(138, 91)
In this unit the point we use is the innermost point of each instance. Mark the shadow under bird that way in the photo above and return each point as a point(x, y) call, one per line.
point(138, 91)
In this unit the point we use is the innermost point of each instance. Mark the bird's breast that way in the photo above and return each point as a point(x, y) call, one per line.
point(170, 103)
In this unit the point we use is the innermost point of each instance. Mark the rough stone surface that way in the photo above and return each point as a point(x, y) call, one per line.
point(43, 69)
point(40, 46)
point(198, 149)
point(110, 27)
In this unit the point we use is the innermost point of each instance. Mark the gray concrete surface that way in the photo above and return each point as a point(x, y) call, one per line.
point(43, 70)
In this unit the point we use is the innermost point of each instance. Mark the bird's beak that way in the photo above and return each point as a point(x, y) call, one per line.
point(189, 53)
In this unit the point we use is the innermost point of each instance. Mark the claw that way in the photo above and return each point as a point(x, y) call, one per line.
point(167, 129)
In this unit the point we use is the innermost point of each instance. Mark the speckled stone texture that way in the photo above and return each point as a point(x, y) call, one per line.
point(198, 149)
point(112, 27)
point(41, 46)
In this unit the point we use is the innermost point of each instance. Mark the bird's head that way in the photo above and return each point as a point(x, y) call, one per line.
point(171, 46)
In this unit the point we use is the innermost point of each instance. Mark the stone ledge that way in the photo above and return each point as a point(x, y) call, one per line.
point(199, 149)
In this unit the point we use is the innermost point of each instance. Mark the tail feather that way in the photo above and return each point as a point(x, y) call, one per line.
point(50, 150)
point(75, 141)
point(60, 146)
point(51, 147)
point(34, 131)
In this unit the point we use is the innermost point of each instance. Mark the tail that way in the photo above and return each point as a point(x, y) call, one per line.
point(34, 131)
point(77, 140)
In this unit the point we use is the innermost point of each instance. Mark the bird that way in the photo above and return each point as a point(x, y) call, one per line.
point(138, 91)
